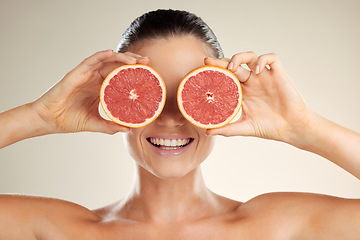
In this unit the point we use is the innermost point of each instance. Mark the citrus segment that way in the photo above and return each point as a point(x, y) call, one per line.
point(209, 97)
point(133, 95)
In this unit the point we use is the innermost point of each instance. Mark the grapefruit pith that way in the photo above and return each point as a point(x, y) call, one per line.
point(133, 95)
point(209, 96)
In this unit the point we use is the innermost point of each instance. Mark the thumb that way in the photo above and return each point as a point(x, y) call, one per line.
point(238, 128)
point(105, 126)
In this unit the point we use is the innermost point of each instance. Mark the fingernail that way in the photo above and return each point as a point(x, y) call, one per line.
point(257, 70)
point(124, 129)
point(208, 133)
point(231, 65)
point(132, 58)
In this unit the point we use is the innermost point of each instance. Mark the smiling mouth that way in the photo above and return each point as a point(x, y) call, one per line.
point(169, 144)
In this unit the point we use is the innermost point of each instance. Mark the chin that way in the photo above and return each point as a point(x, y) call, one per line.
point(167, 172)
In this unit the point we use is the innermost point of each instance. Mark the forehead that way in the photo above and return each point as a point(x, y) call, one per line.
point(173, 57)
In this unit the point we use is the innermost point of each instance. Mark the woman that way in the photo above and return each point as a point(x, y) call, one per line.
point(169, 199)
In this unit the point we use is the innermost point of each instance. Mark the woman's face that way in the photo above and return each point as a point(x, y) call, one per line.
point(182, 146)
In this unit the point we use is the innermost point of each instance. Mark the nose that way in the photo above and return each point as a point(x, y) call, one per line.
point(171, 115)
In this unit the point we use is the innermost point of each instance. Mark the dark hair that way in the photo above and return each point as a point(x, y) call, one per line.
point(167, 23)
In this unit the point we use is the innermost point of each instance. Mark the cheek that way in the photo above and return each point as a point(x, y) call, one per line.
point(133, 144)
point(206, 145)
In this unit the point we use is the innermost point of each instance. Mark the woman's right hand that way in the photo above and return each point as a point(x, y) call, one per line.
point(72, 104)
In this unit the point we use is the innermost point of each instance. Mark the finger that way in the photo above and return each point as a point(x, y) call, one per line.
point(220, 62)
point(248, 58)
point(139, 59)
point(109, 67)
point(121, 58)
point(270, 60)
point(134, 55)
point(143, 60)
point(96, 61)
point(241, 73)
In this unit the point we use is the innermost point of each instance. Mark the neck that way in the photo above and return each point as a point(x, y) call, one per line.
point(164, 200)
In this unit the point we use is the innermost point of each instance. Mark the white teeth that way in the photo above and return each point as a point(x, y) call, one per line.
point(169, 142)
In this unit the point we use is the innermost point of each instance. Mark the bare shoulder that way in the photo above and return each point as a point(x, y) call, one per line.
point(305, 215)
point(28, 217)
point(28, 204)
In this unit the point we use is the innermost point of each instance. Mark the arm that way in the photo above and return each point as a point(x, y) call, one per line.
point(20, 123)
point(71, 105)
point(331, 141)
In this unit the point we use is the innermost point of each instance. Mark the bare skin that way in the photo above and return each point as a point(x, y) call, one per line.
point(169, 199)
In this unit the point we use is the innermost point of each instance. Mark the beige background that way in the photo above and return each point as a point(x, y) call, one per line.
point(317, 41)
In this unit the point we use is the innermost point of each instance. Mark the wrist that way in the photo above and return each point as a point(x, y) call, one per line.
point(305, 132)
point(35, 122)
point(27, 122)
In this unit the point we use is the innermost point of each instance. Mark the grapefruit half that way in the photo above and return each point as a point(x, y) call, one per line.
point(209, 96)
point(133, 95)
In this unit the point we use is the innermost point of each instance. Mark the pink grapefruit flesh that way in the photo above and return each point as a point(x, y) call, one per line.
point(133, 95)
point(209, 97)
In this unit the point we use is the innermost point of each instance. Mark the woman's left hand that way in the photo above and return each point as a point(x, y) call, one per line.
point(272, 108)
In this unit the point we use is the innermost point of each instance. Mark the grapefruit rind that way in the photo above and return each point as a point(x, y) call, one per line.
point(197, 71)
point(106, 83)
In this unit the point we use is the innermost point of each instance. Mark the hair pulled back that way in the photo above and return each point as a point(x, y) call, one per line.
point(169, 23)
